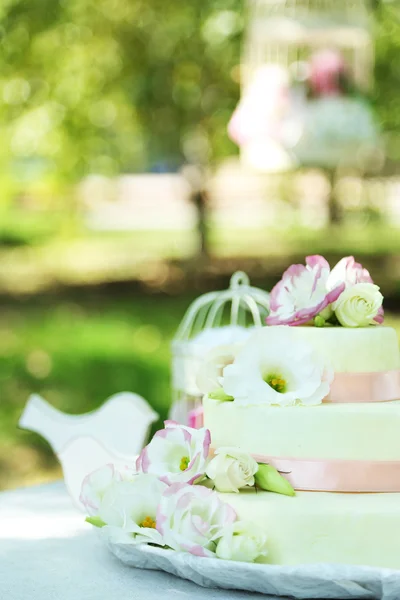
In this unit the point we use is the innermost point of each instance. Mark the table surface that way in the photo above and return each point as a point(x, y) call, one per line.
point(48, 552)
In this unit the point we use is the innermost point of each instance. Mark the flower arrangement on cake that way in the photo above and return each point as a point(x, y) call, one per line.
point(168, 498)
point(282, 368)
point(345, 296)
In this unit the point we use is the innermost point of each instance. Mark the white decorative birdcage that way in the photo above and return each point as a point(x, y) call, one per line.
point(214, 319)
point(293, 52)
point(284, 32)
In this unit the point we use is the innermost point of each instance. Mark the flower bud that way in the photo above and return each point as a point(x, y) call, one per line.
point(269, 479)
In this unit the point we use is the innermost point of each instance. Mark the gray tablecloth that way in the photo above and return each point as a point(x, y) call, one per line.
point(48, 552)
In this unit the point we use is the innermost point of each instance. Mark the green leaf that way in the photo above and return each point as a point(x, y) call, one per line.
point(220, 395)
point(96, 521)
point(269, 479)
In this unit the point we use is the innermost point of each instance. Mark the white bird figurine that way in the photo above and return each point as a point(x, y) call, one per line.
point(116, 432)
point(82, 456)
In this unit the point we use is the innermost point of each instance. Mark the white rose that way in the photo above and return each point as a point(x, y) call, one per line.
point(231, 469)
point(358, 305)
point(242, 542)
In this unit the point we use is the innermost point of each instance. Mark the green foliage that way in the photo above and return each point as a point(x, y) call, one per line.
point(95, 521)
point(123, 85)
point(116, 85)
point(387, 71)
point(77, 353)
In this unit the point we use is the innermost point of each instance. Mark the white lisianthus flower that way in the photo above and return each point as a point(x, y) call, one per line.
point(176, 454)
point(231, 469)
point(210, 374)
point(242, 542)
point(128, 510)
point(95, 485)
point(275, 368)
point(192, 518)
point(359, 305)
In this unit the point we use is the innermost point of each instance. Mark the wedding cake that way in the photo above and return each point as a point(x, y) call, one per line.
point(302, 418)
point(315, 394)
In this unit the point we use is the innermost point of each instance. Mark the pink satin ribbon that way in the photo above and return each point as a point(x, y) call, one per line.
point(353, 476)
point(356, 476)
point(346, 388)
point(382, 386)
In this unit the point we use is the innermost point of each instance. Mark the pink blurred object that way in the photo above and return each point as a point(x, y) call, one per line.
point(326, 67)
point(264, 104)
point(196, 418)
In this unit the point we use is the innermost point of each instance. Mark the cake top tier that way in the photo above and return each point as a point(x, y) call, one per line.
point(346, 350)
point(346, 357)
point(315, 294)
point(290, 366)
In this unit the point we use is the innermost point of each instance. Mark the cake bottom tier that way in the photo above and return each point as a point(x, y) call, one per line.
point(315, 527)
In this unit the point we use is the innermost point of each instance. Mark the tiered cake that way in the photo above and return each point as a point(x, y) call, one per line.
point(316, 394)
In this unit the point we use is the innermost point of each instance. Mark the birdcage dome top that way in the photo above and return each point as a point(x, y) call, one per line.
point(241, 305)
point(329, 12)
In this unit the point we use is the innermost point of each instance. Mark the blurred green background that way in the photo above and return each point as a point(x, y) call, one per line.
point(106, 233)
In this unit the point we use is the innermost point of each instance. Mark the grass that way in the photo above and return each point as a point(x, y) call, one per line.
point(366, 240)
point(76, 352)
point(92, 258)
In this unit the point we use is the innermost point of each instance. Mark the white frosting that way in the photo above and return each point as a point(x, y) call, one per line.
point(361, 529)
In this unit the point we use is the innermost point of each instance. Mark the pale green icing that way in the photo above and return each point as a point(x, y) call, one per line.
point(354, 350)
point(326, 431)
point(362, 529)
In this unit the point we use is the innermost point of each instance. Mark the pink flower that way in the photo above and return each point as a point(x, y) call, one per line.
point(176, 454)
point(327, 68)
point(349, 272)
point(302, 293)
point(193, 519)
point(380, 317)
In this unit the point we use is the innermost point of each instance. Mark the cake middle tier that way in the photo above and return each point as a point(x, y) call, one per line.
point(328, 431)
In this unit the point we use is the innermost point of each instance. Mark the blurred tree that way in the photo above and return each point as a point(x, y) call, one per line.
point(387, 72)
point(116, 85)
point(130, 85)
